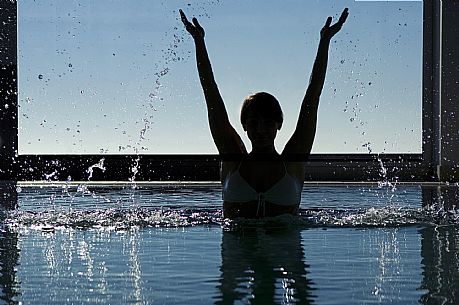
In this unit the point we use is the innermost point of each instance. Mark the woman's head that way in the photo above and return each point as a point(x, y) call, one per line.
point(263, 105)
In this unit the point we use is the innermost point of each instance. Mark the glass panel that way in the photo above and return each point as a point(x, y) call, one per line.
point(110, 76)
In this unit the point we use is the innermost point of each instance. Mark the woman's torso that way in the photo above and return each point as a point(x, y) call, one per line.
point(257, 188)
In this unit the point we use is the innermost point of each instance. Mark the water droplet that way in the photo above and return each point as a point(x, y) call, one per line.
point(40, 76)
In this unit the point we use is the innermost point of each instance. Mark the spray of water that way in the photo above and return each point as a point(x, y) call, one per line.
point(135, 171)
point(99, 165)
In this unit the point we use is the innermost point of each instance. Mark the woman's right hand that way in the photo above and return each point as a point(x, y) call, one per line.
point(195, 29)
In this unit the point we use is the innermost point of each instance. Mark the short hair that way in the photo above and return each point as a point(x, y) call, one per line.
point(264, 104)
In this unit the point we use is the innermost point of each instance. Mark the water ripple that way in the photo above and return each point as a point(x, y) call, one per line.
point(123, 219)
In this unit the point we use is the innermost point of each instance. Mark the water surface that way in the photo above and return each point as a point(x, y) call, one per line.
point(168, 244)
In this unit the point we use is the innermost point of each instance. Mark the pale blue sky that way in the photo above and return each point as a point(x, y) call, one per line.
point(88, 72)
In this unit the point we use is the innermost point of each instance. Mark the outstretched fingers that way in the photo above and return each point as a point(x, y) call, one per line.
point(340, 21)
point(343, 16)
point(183, 16)
point(185, 20)
point(197, 25)
point(195, 29)
point(329, 30)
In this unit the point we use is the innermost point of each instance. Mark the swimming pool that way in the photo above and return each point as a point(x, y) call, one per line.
point(75, 243)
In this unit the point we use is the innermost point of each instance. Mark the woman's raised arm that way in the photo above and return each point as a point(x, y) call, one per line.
point(225, 136)
point(300, 144)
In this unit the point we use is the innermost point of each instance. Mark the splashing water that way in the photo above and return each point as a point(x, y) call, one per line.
point(384, 178)
point(51, 175)
point(367, 145)
point(153, 98)
point(126, 218)
point(75, 206)
point(135, 171)
point(99, 165)
point(391, 186)
point(170, 55)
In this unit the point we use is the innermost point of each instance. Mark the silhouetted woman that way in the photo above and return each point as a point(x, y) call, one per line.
point(262, 182)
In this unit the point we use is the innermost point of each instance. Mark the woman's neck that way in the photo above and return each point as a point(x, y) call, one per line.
point(263, 156)
point(263, 150)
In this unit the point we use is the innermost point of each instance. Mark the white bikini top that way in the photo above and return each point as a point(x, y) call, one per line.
point(286, 191)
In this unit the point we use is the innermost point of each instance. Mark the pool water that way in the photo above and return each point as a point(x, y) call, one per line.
point(168, 244)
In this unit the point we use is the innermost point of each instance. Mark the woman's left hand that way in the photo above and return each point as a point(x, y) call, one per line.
point(328, 31)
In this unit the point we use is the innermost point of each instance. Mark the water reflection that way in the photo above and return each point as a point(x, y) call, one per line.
point(444, 197)
point(259, 264)
point(9, 252)
point(263, 266)
point(440, 250)
point(9, 255)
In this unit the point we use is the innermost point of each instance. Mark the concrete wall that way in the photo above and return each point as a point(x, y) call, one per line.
point(449, 109)
point(8, 88)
